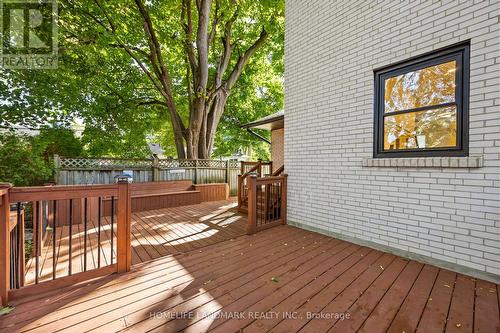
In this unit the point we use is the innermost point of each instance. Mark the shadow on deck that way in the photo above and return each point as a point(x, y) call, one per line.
point(283, 279)
point(155, 233)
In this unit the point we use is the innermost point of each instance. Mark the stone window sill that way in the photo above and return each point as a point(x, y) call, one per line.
point(426, 162)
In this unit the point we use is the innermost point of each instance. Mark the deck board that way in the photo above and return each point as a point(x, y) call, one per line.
point(155, 233)
point(282, 270)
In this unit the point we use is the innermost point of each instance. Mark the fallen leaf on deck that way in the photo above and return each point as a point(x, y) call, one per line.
point(274, 279)
point(6, 310)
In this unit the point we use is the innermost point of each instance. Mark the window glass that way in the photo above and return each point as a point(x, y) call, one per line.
point(424, 87)
point(434, 128)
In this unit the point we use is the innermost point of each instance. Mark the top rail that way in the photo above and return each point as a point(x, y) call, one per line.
point(278, 171)
point(253, 169)
point(60, 192)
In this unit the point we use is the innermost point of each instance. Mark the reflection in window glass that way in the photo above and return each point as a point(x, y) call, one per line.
point(428, 86)
point(423, 129)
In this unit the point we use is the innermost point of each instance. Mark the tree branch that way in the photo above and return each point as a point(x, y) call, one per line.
point(215, 21)
point(202, 45)
point(227, 51)
point(243, 60)
point(112, 29)
point(188, 30)
point(162, 71)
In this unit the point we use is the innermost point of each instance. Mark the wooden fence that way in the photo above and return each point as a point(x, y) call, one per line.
point(90, 171)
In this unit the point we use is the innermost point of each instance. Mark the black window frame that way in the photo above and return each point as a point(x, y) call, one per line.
point(458, 52)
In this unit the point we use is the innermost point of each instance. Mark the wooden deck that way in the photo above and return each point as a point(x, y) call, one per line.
point(155, 233)
point(279, 280)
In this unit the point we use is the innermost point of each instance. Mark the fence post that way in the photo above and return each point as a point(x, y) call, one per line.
point(4, 244)
point(196, 171)
point(252, 204)
point(156, 168)
point(284, 197)
point(57, 168)
point(123, 249)
point(227, 171)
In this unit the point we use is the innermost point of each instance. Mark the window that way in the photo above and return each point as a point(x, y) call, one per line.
point(421, 105)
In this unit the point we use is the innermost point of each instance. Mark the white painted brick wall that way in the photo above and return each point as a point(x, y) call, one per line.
point(332, 47)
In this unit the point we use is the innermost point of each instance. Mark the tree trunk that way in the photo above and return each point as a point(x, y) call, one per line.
point(219, 105)
point(208, 103)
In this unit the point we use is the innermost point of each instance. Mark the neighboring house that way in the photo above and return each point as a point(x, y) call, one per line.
point(393, 127)
point(275, 124)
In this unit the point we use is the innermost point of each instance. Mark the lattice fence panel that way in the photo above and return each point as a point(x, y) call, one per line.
point(70, 163)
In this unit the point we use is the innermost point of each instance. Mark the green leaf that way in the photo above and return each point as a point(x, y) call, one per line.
point(6, 310)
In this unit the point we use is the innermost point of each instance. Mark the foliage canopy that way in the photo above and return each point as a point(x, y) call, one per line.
point(103, 81)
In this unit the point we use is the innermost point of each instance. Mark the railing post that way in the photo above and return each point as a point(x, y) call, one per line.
point(240, 188)
point(4, 245)
point(156, 169)
point(284, 198)
point(123, 246)
point(252, 204)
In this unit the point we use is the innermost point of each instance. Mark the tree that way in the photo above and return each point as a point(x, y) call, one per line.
point(21, 163)
point(57, 140)
point(208, 48)
point(136, 69)
point(28, 160)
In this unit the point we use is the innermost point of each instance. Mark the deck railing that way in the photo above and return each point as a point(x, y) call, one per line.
point(266, 202)
point(263, 168)
point(248, 168)
point(72, 214)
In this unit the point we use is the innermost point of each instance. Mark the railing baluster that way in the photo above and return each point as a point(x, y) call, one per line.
point(273, 201)
point(85, 217)
point(70, 236)
point(264, 206)
point(20, 246)
point(112, 224)
point(280, 195)
point(99, 233)
point(12, 256)
point(37, 240)
point(54, 239)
